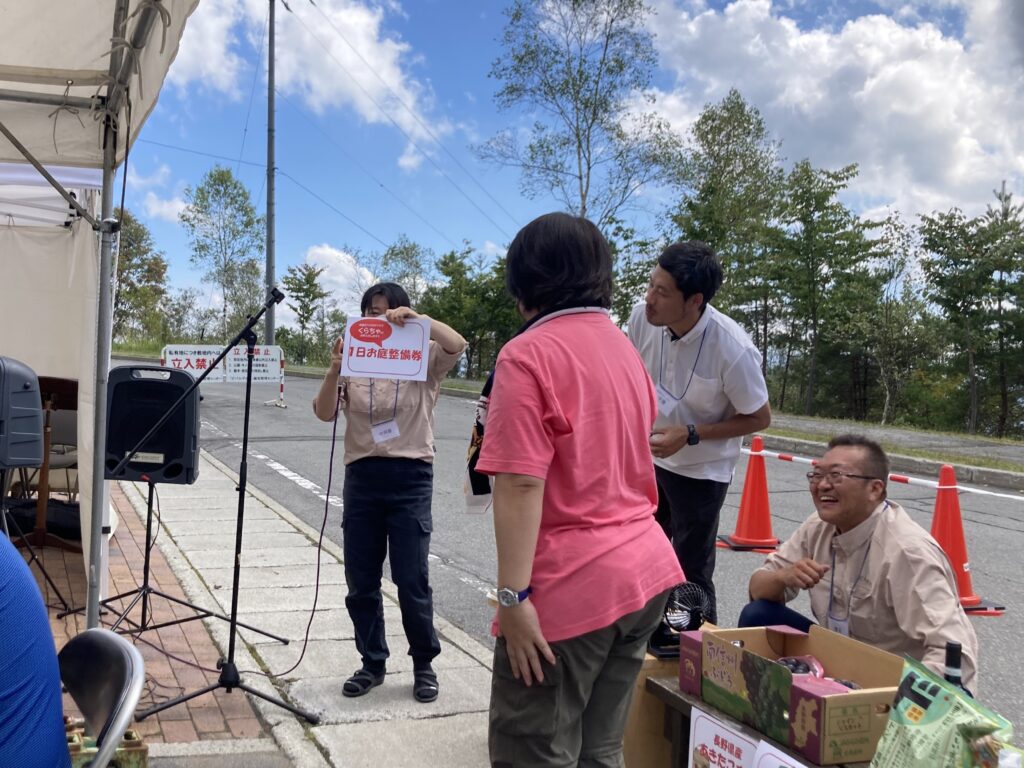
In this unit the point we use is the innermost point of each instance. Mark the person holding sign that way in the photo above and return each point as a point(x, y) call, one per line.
point(584, 571)
point(707, 373)
point(389, 478)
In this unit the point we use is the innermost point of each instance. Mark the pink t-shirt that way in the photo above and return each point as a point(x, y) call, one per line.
point(572, 404)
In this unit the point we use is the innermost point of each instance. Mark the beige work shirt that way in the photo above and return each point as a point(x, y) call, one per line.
point(409, 403)
point(891, 580)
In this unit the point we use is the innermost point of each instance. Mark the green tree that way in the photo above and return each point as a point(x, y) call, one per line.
point(141, 283)
point(1003, 231)
point(226, 237)
point(577, 68)
point(409, 264)
point(184, 320)
point(825, 255)
point(894, 326)
point(733, 173)
point(959, 276)
point(305, 296)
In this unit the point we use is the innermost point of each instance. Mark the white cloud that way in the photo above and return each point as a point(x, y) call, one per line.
point(337, 54)
point(343, 277)
point(165, 209)
point(208, 58)
point(490, 248)
point(928, 118)
point(157, 179)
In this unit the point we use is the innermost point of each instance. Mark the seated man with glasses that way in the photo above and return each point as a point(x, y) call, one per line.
point(872, 573)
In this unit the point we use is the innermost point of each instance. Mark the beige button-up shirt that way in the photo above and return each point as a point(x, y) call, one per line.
point(409, 403)
point(893, 583)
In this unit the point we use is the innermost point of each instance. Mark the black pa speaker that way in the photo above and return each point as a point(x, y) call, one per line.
point(21, 416)
point(137, 398)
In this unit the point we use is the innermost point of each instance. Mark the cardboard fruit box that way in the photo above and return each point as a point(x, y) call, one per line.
point(802, 711)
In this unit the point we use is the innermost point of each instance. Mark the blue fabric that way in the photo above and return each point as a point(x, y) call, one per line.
point(766, 613)
point(31, 710)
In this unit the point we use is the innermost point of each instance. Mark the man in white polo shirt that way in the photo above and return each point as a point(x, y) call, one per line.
point(707, 373)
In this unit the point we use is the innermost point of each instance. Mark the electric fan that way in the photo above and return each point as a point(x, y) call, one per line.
point(685, 610)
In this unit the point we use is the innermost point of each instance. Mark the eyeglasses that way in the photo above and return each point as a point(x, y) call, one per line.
point(835, 477)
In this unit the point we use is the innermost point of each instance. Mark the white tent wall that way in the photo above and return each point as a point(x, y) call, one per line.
point(78, 78)
point(49, 307)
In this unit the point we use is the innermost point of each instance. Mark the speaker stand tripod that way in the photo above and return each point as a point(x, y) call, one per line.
point(144, 591)
point(230, 677)
point(6, 517)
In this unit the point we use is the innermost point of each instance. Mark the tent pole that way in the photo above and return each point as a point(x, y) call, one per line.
point(100, 526)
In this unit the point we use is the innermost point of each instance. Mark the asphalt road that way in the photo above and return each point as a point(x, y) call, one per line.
point(289, 452)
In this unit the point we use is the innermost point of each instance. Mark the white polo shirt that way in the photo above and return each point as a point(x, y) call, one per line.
point(706, 376)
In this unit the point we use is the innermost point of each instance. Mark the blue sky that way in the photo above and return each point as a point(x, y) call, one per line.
point(379, 102)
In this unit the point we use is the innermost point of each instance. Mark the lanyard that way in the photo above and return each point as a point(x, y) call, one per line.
point(661, 367)
point(860, 572)
point(394, 412)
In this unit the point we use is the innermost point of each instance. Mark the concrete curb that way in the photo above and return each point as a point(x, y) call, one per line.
point(928, 468)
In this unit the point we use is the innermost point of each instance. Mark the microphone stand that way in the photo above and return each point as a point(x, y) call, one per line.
point(229, 676)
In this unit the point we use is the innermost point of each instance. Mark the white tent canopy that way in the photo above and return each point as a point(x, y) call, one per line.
point(58, 57)
point(78, 78)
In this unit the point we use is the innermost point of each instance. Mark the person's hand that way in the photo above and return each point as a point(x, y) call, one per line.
point(668, 440)
point(337, 352)
point(803, 574)
point(399, 315)
point(520, 627)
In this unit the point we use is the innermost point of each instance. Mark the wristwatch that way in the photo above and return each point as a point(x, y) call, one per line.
point(693, 438)
point(509, 598)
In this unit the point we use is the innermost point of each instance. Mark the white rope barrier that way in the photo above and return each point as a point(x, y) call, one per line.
point(905, 479)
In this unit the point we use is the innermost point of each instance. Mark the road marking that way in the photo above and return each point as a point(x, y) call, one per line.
point(303, 482)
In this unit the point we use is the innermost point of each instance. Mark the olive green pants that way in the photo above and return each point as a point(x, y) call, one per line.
point(575, 718)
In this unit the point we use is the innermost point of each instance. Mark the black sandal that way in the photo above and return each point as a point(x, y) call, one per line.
point(361, 682)
point(424, 687)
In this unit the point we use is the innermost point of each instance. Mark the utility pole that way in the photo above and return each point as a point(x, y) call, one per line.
point(271, 277)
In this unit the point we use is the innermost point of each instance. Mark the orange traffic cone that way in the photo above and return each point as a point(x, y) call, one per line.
point(754, 525)
point(948, 530)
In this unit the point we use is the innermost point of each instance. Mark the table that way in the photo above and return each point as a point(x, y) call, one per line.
point(678, 706)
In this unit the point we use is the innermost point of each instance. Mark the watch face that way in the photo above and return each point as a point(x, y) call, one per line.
point(507, 598)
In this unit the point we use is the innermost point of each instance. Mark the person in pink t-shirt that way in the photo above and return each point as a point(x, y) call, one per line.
point(584, 570)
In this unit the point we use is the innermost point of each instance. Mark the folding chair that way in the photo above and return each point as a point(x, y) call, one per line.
point(104, 674)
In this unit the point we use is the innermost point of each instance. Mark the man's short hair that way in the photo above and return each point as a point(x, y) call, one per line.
point(559, 260)
point(694, 267)
point(876, 463)
point(393, 292)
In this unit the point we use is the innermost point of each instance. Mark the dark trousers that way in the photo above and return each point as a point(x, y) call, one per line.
point(767, 613)
point(688, 510)
point(387, 505)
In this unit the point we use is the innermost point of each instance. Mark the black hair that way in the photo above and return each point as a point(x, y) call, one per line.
point(694, 267)
point(876, 463)
point(558, 259)
point(393, 292)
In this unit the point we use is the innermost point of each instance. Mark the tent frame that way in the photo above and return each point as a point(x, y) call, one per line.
point(107, 227)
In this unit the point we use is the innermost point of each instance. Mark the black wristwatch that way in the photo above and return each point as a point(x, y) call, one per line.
point(509, 598)
point(693, 438)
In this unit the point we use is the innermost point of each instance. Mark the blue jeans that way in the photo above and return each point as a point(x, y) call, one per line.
point(387, 507)
point(766, 613)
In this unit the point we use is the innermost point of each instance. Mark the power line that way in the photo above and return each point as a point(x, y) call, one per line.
point(351, 221)
point(288, 176)
point(362, 168)
point(413, 114)
point(412, 141)
point(252, 93)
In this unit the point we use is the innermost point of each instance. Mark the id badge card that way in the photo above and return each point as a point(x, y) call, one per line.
point(842, 626)
point(384, 431)
point(666, 403)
